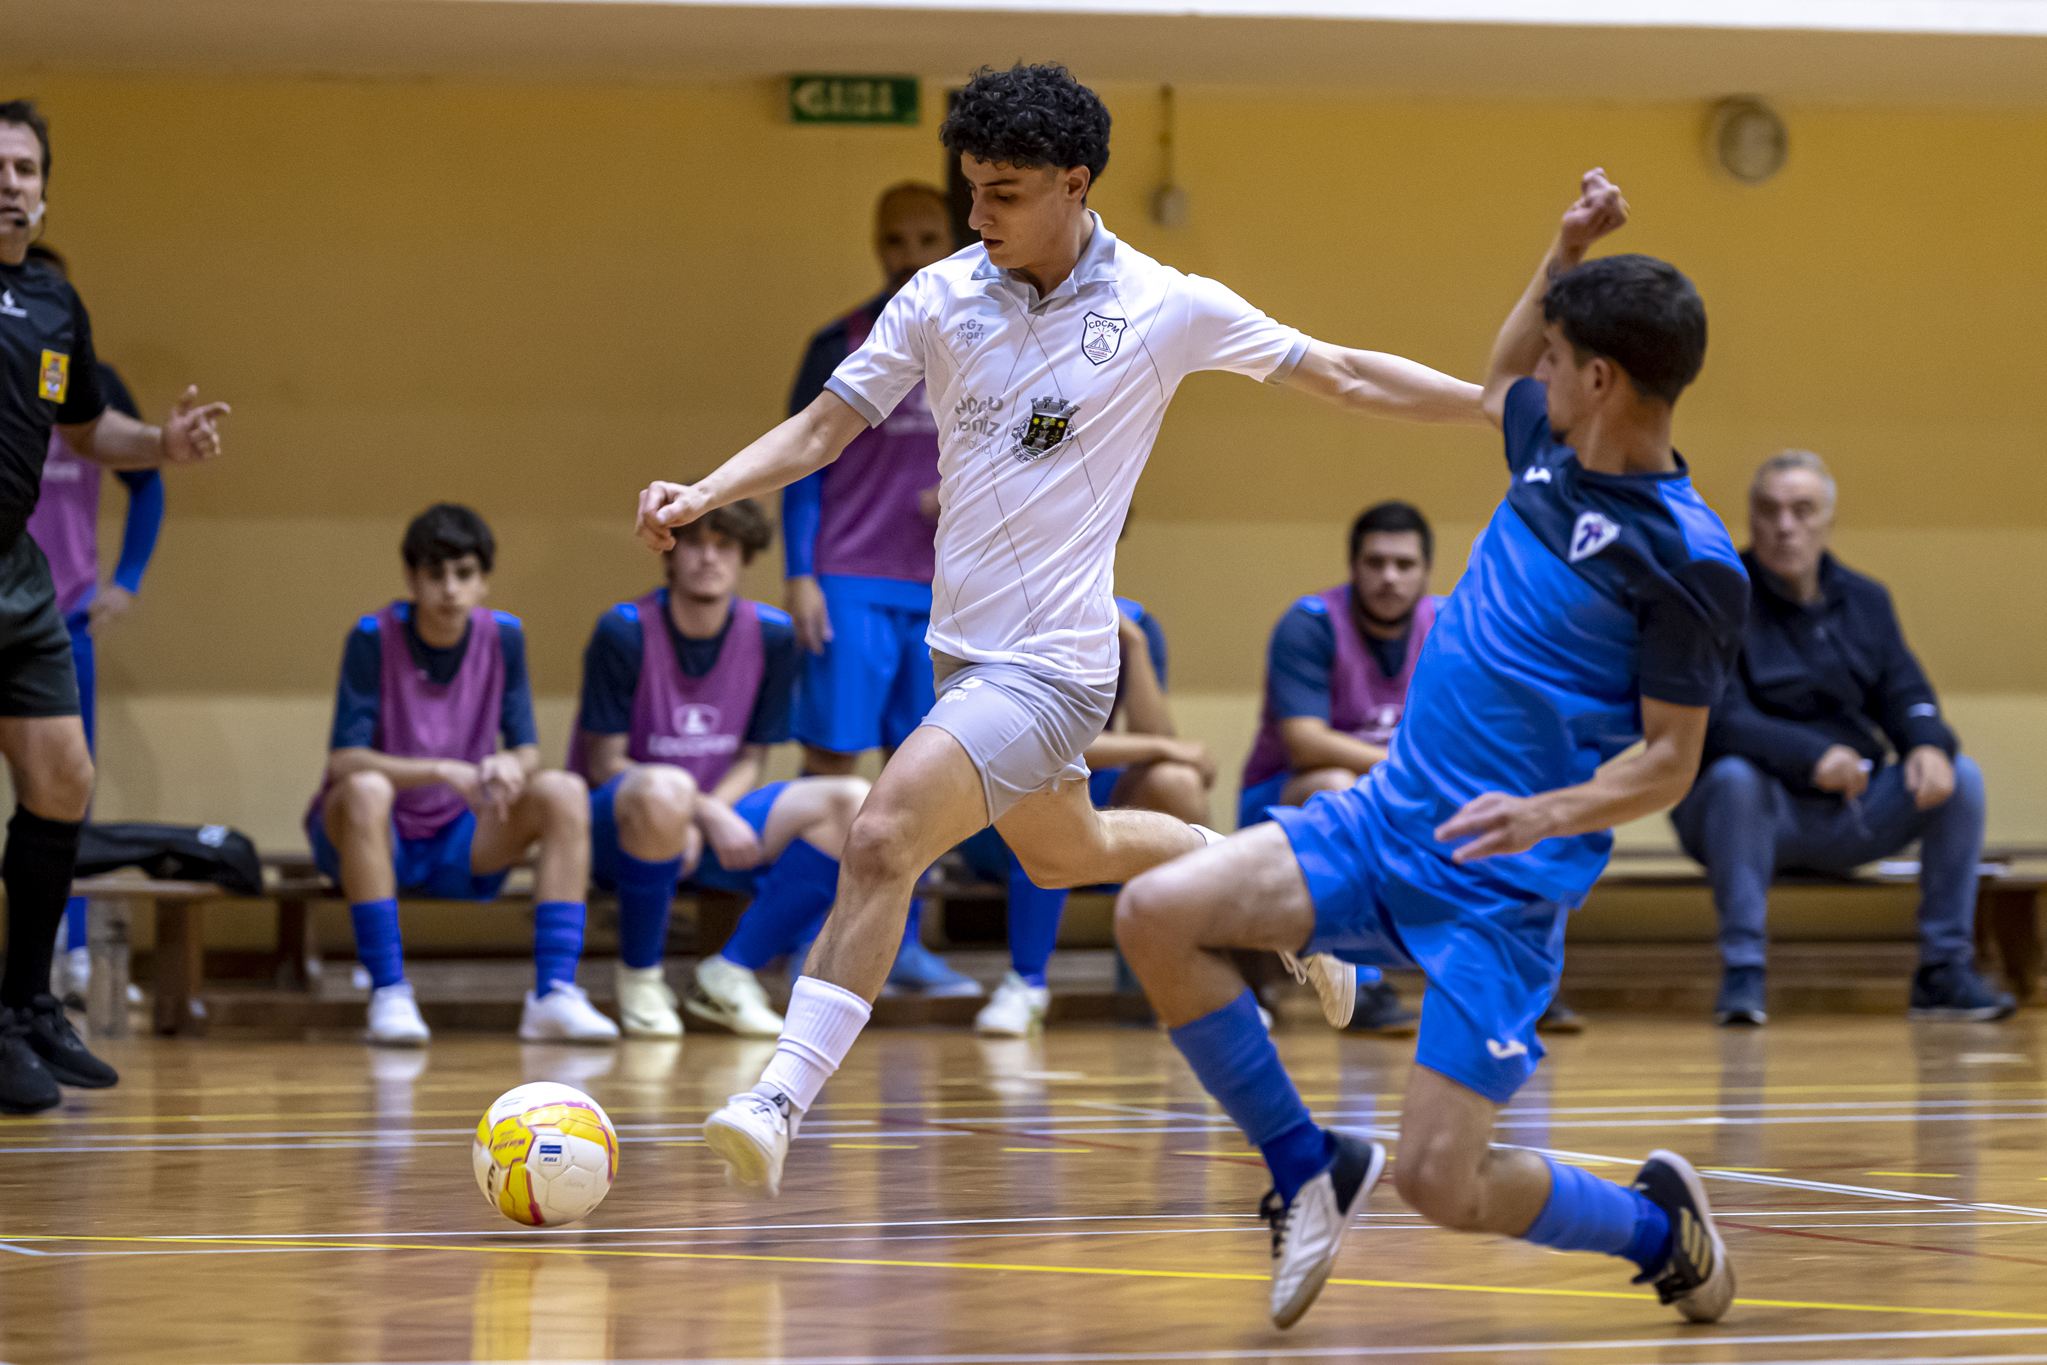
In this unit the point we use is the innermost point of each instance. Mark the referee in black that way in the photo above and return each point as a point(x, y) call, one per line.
point(49, 377)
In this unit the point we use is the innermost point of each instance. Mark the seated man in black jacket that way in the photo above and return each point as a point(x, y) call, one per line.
point(1797, 772)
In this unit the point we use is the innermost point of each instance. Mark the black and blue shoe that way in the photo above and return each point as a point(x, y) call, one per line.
point(1696, 1277)
point(1742, 997)
point(1953, 991)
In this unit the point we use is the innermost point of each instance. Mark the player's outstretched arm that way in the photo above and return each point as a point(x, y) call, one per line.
point(1654, 778)
point(1384, 385)
point(1599, 210)
point(802, 445)
point(115, 440)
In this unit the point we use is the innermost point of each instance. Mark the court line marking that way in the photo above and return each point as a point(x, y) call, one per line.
point(21, 1251)
point(1918, 1175)
point(1333, 1352)
point(1117, 1272)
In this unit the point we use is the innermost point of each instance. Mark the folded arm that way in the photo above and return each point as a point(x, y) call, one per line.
point(1654, 778)
point(1312, 743)
point(1383, 385)
point(801, 445)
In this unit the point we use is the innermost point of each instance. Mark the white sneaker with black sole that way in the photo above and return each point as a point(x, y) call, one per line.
point(1335, 982)
point(751, 1136)
point(1697, 1280)
point(1307, 1233)
point(646, 1005)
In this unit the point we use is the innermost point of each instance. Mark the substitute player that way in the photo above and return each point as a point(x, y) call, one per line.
point(419, 797)
point(683, 692)
point(49, 379)
point(1603, 606)
point(66, 526)
point(1049, 352)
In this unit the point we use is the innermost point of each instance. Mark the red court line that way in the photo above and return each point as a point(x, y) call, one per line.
point(1895, 1246)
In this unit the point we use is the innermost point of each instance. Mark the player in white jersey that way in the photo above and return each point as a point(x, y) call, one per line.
point(1049, 352)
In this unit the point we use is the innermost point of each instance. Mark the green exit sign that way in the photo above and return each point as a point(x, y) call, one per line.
point(853, 99)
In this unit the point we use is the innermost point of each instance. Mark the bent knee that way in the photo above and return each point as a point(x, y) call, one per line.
point(1145, 909)
point(1055, 870)
point(561, 792)
point(1444, 1194)
point(881, 847)
point(1734, 776)
point(362, 797)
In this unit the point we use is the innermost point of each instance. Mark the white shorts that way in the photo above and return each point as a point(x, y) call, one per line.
point(1025, 731)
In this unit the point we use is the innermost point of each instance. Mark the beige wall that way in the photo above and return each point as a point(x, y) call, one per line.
point(535, 297)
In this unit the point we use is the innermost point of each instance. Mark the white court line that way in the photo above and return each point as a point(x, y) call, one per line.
point(21, 1251)
point(726, 1227)
point(1339, 1352)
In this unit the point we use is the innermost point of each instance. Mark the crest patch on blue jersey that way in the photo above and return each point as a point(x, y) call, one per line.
point(1592, 534)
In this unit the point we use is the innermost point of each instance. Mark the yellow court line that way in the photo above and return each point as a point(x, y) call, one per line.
point(1918, 1175)
point(1011, 1267)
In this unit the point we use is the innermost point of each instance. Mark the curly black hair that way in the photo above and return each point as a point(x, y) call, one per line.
point(1029, 116)
point(1638, 312)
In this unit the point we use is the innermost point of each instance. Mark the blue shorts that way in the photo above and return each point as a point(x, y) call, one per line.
point(436, 866)
point(1252, 801)
point(872, 685)
point(710, 874)
point(1492, 952)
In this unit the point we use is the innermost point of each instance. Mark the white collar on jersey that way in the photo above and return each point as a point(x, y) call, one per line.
point(1097, 263)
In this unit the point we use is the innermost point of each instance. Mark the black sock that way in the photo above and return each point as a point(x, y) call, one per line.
point(37, 867)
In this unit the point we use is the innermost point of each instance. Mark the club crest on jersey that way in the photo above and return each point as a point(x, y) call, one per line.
point(1044, 430)
point(53, 376)
point(1103, 337)
point(694, 718)
point(1592, 534)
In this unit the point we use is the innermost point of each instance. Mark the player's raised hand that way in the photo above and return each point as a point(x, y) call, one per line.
point(1598, 211)
point(1495, 823)
point(192, 432)
point(665, 506)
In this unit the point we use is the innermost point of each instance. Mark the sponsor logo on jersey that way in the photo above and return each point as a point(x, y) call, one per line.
point(977, 419)
point(9, 306)
point(695, 734)
point(1044, 430)
point(1592, 534)
point(1536, 474)
point(1102, 337)
point(53, 376)
point(1502, 1051)
point(969, 332)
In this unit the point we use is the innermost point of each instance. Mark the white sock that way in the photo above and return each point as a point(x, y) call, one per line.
point(819, 1029)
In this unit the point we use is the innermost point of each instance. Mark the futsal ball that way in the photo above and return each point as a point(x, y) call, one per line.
point(545, 1154)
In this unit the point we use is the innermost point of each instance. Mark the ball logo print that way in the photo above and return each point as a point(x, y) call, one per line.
point(1104, 337)
point(545, 1154)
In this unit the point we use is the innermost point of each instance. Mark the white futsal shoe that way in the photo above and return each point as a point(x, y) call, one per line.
point(564, 1015)
point(1335, 982)
point(1307, 1233)
point(646, 1005)
point(394, 1018)
point(731, 996)
point(751, 1136)
point(1017, 1011)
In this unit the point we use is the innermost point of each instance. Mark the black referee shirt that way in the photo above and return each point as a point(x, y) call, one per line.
point(48, 375)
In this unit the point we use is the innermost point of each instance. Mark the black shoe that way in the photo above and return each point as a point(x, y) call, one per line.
point(1379, 1011)
point(1307, 1233)
point(60, 1047)
point(1560, 1018)
point(1741, 999)
point(1697, 1278)
point(1953, 991)
point(26, 1085)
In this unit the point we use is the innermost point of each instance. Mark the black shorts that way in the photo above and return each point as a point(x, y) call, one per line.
point(37, 675)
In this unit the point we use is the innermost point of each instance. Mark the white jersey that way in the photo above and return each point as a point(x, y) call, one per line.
point(1047, 410)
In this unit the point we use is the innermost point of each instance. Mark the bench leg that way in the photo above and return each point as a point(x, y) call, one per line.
point(106, 937)
point(2009, 920)
point(180, 946)
point(298, 945)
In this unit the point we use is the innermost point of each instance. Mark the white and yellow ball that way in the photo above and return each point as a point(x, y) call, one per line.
point(545, 1154)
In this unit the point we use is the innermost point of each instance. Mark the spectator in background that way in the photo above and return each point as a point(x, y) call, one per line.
point(858, 540)
point(66, 525)
point(1828, 751)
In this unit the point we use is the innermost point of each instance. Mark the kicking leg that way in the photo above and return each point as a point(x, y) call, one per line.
point(929, 798)
point(1451, 1174)
point(1063, 841)
point(1173, 925)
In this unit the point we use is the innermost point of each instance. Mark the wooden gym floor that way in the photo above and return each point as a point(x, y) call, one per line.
point(956, 1202)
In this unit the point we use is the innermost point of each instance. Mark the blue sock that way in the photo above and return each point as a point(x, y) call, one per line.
point(74, 923)
point(1368, 975)
point(794, 896)
point(1585, 1213)
point(1235, 1061)
point(1033, 924)
point(557, 944)
point(645, 893)
point(377, 944)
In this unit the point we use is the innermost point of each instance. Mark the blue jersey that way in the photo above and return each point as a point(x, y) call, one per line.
point(1585, 593)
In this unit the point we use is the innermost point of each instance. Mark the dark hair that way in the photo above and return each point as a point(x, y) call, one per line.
point(1029, 116)
point(1638, 312)
point(49, 255)
point(742, 521)
point(1393, 518)
point(25, 113)
point(445, 532)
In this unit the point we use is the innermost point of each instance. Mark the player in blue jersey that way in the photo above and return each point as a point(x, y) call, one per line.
point(1603, 606)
